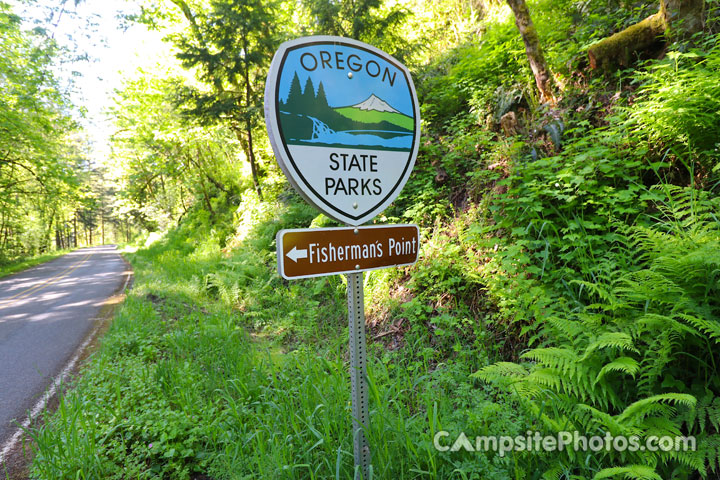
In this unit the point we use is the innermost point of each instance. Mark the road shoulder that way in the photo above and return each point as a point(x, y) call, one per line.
point(16, 453)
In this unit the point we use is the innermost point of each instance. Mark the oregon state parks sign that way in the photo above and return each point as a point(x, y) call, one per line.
point(344, 123)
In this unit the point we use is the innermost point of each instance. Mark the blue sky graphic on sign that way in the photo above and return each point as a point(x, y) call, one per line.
point(341, 90)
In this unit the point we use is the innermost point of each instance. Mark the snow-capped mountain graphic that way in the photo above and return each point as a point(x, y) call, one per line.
point(376, 104)
point(307, 118)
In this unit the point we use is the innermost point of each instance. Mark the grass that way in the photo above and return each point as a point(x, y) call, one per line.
point(20, 264)
point(215, 366)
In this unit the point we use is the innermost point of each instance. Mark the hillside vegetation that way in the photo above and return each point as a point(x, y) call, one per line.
point(568, 281)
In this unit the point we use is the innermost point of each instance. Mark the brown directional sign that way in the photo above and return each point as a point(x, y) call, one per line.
point(315, 252)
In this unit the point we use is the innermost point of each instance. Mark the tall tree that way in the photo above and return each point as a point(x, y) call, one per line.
point(371, 21)
point(40, 157)
point(230, 44)
point(166, 162)
point(540, 70)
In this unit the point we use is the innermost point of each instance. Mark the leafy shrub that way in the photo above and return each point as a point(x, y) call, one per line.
point(677, 105)
point(639, 325)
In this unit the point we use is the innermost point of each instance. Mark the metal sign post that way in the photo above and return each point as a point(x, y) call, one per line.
point(358, 374)
point(344, 122)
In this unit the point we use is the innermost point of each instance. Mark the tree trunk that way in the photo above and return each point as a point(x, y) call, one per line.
point(47, 235)
point(681, 18)
point(684, 17)
point(253, 161)
point(202, 170)
point(248, 122)
point(182, 200)
point(543, 78)
point(206, 196)
point(246, 143)
point(3, 230)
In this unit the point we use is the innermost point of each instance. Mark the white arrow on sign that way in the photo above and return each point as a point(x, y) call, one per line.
point(295, 254)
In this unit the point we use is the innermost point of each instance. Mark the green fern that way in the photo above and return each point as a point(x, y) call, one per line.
point(626, 365)
point(618, 340)
point(656, 322)
point(632, 472)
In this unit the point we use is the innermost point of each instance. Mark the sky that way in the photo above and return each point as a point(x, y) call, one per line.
point(115, 51)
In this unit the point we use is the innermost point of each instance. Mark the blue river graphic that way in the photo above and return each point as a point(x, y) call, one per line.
point(323, 135)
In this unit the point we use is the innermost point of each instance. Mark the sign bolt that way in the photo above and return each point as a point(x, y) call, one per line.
point(357, 267)
point(355, 205)
point(350, 75)
point(356, 231)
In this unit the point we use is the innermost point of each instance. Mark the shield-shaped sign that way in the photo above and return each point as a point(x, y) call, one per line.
point(344, 122)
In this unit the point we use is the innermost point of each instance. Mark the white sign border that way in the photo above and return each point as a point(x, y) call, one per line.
point(278, 145)
point(281, 260)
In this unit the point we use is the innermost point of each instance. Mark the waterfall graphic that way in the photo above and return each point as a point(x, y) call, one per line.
point(320, 130)
point(324, 135)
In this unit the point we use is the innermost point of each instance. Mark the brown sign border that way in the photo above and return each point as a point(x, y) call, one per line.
point(280, 253)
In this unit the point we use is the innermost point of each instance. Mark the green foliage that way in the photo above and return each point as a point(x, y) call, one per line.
point(41, 164)
point(614, 279)
point(636, 472)
point(19, 265)
point(637, 325)
point(470, 76)
point(188, 381)
point(224, 28)
point(167, 163)
point(677, 109)
point(565, 206)
point(376, 22)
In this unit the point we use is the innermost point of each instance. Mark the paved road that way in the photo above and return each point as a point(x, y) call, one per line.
point(45, 314)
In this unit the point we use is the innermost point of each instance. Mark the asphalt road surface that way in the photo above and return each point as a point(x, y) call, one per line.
point(45, 314)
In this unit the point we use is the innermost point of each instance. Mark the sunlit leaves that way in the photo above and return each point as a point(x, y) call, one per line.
point(40, 154)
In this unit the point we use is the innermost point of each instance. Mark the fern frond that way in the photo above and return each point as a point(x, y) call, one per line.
point(657, 322)
point(555, 473)
point(646, 406)
point(592, 416)
point(695, 459)
point(626, 365)
point(600, 291)
point(563, 359)
point(500, 372)
point(634, 472)
point(618, 340)
point(570, 328)
point(710, 327)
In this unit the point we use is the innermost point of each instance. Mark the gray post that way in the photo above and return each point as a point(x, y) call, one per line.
point(358, 373)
